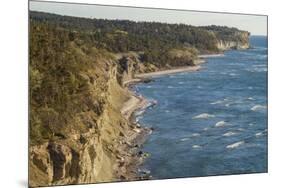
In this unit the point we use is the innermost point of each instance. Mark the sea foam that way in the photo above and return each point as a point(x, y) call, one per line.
point(235, 145)
point(258, 107)
point(259, 134)
point(196, 146)
point(220, 124)
point(184, 139)
point(195, 134)
point(217, 102)
point(229, 134)
point(203, 116)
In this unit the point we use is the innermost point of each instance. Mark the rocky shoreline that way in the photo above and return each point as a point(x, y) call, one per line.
point(139, 133)
point(138, 102)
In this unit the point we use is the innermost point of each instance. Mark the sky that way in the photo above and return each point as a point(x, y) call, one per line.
point(255, 24)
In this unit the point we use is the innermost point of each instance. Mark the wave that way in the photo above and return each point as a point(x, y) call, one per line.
point(227, 105)
point(229, 134)
point(220, 124)
point(251, 98)
point(170, 87)
point(257, 69)
point(264, 69)
point(241, 129)
point(217, 102)
point(180, 82)
point(203, 116)
point(258, 107)
point(184, 139)
point(196, 146)
point(262, 65)
point(235, 145)
point(195, 134)
point(259, 48)
point(259, 134)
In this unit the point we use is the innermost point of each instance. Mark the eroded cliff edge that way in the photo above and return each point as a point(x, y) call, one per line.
point(79, 129)
point(90, 142)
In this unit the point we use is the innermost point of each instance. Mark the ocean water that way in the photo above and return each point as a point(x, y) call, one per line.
point(209, 122)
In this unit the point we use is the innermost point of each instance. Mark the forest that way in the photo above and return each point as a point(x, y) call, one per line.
point(63, 49)
point(153, 39)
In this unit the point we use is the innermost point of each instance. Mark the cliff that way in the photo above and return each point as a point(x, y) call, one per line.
point(241, 41)
point(229, 38)
point(80, 107)
point(78, 130)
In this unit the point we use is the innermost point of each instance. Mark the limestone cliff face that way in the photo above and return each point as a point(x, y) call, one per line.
point(240, 40)
point(91, 156)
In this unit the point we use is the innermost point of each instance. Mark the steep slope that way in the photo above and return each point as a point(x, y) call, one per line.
point(77, 131)
point(80, 131)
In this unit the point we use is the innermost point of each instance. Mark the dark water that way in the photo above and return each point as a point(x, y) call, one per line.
point(210, 122)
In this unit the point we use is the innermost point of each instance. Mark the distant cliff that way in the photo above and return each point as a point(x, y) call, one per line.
point(152, 40)
point(78, 70)
point(229, 38)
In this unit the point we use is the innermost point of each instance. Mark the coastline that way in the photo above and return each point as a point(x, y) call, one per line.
point(210, 55)
point(170, 71)
point(138, 134)
point(132, 156)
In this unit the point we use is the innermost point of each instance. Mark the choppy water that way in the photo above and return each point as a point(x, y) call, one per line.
point(210, 122)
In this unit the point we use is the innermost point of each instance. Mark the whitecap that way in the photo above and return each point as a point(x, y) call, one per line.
point(184, 139)
point(263, 65)
point(241, 129)
point(180, 82)
point(250, 98)
point(260, 69)
point(195, 134)
point(170, 87)
point(259, 134)
point(196, 146)
point(205, 129)
point(258, 107)
point(203, 116)
point(229, 134)
point(235, 145)
point(232, 74)
point(217, 102)
point(220, 124)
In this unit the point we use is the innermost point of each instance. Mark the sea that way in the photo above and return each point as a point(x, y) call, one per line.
point(209, 122)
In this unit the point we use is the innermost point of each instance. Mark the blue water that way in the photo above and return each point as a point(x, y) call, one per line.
point(210, 122)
